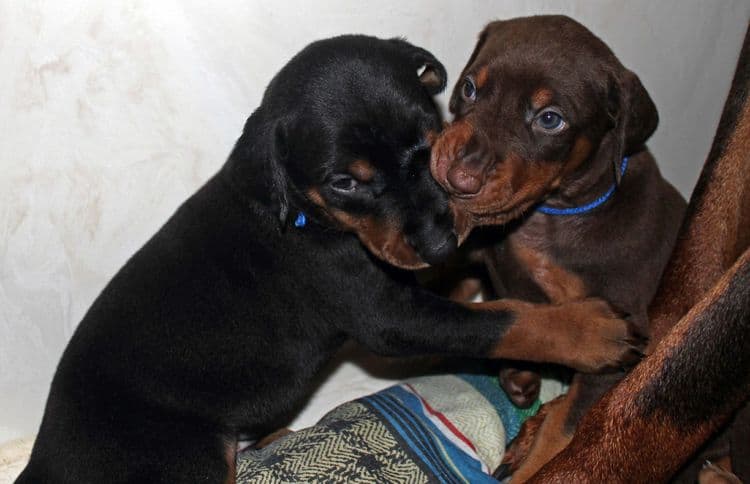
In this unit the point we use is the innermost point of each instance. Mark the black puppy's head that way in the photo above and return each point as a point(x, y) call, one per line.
point(343, 135)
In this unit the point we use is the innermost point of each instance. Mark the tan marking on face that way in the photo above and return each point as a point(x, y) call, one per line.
point(558, 284)
point(383, 238)
point(578, 155)
point(512, 186)
point(541, 98)
point(482, 76)
point(315, 197)
point(362, 170)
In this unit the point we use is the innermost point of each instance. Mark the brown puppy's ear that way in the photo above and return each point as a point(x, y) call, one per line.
point(633, 112)
point(431, 72)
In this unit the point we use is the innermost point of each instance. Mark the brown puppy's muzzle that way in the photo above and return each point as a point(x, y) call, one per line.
point(460, 160)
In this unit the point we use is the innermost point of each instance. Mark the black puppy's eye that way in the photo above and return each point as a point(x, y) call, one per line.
point(550, 121)
point(469, 89)
point(343, 183)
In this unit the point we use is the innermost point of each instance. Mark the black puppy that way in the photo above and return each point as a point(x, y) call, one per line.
point(216, 326)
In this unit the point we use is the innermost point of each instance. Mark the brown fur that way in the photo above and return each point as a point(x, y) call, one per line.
point(380, 236)
point(499, 161)
point(631, 435)
point(543, 332)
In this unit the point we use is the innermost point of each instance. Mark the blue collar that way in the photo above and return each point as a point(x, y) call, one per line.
point(300, 221)
point(546, 209)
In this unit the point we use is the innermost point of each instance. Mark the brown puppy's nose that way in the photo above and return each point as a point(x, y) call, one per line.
point(463, 181)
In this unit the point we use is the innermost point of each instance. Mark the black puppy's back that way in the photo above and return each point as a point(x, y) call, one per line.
point(217, 325)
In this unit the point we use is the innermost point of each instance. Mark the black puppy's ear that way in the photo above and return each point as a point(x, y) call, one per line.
point(431, 72)
point(433, 77)
point(277, 174)
point(632, 110)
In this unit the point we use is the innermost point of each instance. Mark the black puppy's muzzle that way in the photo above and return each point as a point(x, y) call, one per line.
point(439, 251)
point(430, 230)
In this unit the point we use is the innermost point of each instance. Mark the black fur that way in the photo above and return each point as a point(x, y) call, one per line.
point(216, 326)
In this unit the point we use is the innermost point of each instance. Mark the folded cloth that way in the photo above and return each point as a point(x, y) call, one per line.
point(443, 428)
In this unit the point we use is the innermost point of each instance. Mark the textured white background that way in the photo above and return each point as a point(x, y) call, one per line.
point(111, 113)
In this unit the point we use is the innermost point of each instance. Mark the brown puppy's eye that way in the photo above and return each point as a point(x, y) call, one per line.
point(469, 90)
point(550, 121)
point(343, 183)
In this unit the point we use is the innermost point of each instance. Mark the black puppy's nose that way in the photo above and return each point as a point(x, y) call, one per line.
point(437, 252)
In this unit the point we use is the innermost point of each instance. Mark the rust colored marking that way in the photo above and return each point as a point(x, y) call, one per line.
point(272, 437)
point(230, 455)
point(559, 284)
point(446, 148)
point(483, 75)
point(381, 237)
point(616, 437)
point(580, 153)
point(362, 170)
point(316, 198)
point(541, 98)
point(586, 334)
point(718, 472)
point(512, 186)
point(550, 438)
point(716, 228)
point(521, 445)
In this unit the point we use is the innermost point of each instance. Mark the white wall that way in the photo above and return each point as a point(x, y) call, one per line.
point(111, 113)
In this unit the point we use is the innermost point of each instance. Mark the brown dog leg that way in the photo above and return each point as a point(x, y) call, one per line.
point(552, 436)
point(522, 445)
point(717, 473)
point(649, 425)
point(586, 335)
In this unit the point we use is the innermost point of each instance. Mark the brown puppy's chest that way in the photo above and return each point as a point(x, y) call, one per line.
point(523, 266)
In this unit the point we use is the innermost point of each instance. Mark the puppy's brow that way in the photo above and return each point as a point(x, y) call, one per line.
point(541, 97)
point(362, 170)
point(482, 75)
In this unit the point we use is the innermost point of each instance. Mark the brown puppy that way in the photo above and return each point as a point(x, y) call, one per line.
point(546, 113)
point(698, 375)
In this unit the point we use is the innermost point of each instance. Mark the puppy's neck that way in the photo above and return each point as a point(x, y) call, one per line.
point(589, 181)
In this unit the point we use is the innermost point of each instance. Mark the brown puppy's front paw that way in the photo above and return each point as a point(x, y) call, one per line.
point(600, 338)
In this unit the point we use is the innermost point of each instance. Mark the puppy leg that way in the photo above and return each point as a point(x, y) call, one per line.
point(585, 335)
point(717, 473)
point(579, 334)
point(521, 445)
point(560, 423)
point(652, 417)
point(552, 436)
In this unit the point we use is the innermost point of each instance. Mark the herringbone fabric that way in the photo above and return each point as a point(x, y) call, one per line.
point(350, 444)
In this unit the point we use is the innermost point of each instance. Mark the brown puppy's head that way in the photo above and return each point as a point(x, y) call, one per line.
point(343, 136)
point(541, 101)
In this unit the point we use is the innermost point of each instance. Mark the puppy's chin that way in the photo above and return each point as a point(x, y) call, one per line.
point(463, 222)
point(403, 258)
point(469, 215)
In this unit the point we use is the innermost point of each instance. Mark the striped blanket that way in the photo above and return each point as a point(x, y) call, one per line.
point(446, 428)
